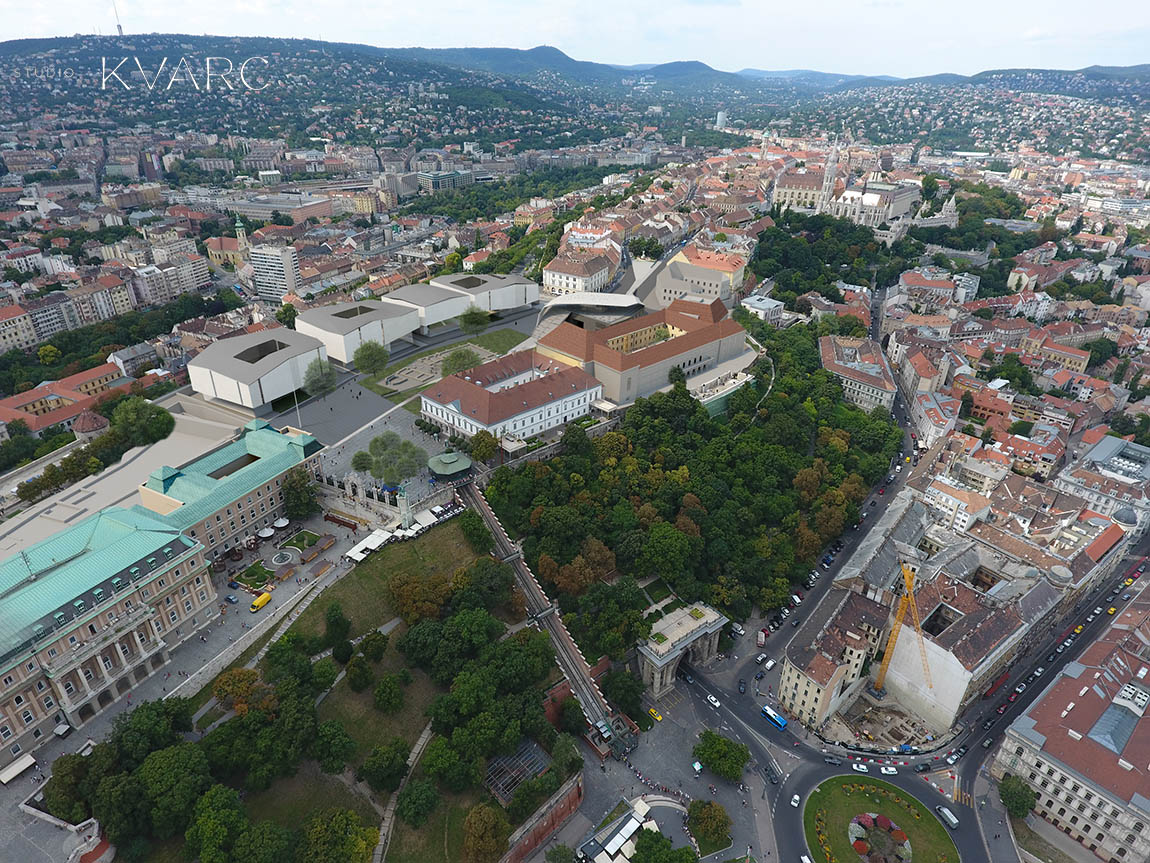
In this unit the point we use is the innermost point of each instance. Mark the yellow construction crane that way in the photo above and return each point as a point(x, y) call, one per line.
point(907, 599)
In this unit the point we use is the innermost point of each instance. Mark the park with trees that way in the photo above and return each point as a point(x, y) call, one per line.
point(731, 510)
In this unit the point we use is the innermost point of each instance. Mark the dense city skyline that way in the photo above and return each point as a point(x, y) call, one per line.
point(991, 36)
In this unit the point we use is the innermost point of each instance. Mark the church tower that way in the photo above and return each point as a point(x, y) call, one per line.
point(241, 235)
point(830, 174)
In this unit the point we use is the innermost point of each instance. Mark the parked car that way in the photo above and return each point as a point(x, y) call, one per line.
point(760, 674)
point(1018, 690)
point(1001, 709)
point(986, 726)
point(1111, 610)
point(234, 585)
point(655, 714)
point(760, 659)
point(860, 768)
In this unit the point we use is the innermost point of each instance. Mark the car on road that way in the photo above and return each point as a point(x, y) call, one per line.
point(742, 686)
point(888, 771)
point(1098, 609)
point(835, 762)
point(234, 585)
point(1090, 618)
point(987, 743)
point(953, 759)
point(1001, 709)
point(1128, 582)
point(796, 622)
point(714, 702)
point(231, 597)
point(1052, 657)
point(1111, 610)
point(655, 714)
point(795, 801)
point(1012, 697)
point(860, 768)
point(688, 678)
point(1078, 629)
point(882, 490)
point(760, 659)
point(962, 750)
point(922, 768)
point(989, 724)
point(1141, 567)
point(1126, 597)
point(1018, 690)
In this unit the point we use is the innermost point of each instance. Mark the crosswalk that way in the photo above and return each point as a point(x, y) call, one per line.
point(961, 793)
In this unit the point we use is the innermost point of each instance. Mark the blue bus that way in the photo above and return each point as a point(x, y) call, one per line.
point(774, 718)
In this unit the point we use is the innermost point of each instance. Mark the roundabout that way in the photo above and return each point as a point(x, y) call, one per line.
point(846, 820)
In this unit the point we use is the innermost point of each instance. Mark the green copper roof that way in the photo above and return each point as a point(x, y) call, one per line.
point(231, 472)
point(50, 576)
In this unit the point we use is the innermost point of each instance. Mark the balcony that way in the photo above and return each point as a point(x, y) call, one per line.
point(87, 649)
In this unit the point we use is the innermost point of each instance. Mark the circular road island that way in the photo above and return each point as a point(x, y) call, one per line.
point(862, 820)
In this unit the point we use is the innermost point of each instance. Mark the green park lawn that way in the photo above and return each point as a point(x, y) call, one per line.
point(255, 576)
point(303, 540)
point(844, 797)
point(362, 593)
point(288, 802)
point(368, 726)
point(291, 799)
point(440, 840)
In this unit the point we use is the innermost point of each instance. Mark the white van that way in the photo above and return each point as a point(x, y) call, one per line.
point(796, 599)
point(804, 859)
point(947, 817)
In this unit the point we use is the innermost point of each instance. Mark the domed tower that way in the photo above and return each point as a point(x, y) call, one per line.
point(1126, 518)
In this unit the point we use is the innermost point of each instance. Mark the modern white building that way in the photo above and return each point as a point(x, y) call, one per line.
point(343, 327)
point(276, 271)
point(765, 309)
point(255, 369)
point(492, 293)
point(517, 396)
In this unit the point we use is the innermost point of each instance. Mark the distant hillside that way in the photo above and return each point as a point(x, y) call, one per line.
point(545, 60)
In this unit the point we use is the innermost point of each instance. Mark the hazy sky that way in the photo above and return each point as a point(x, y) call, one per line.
point(893, 37)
